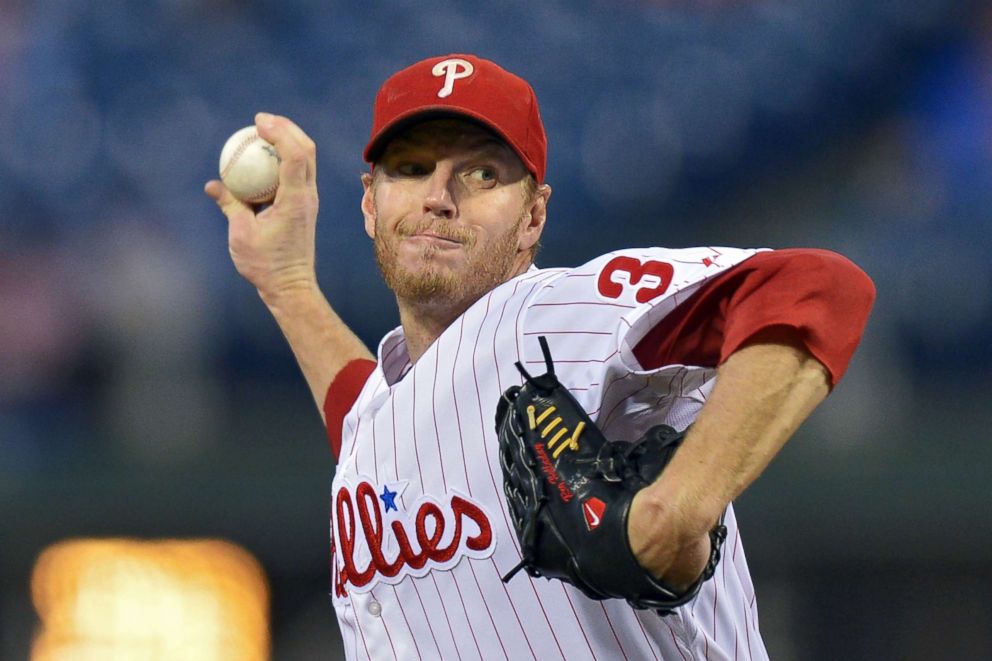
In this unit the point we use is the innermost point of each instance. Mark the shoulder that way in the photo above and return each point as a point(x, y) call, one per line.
point(801, 272)
point(635, 276)
point(595, 309)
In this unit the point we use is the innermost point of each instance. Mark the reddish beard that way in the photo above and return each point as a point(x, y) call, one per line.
point(431, 281)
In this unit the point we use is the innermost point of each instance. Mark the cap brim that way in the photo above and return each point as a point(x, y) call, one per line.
point(416, 116)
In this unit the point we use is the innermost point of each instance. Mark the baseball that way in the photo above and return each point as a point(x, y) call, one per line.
point(249, 167)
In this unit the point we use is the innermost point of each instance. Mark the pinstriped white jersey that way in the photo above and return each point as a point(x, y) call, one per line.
point(419, 526)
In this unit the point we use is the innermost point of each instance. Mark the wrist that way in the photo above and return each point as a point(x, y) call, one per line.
point(678, 512)
point(654, 526)
point(290, 293)
point(668, 538)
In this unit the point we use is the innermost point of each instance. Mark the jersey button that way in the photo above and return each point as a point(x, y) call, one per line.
point(375, 609)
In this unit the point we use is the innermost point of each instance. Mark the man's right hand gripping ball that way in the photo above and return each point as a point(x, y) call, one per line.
point(569, 491)
point(273, 247)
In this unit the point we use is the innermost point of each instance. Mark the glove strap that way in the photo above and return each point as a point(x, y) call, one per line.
point(547, 382)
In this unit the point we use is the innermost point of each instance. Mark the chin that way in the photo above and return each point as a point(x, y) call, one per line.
point(425, 284)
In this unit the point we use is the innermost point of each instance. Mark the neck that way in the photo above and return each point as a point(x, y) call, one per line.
point(424, 322)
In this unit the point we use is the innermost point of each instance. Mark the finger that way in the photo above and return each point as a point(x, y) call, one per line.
point(231, 206)
point(280, 126)
point(215, 190)
point(297, 152)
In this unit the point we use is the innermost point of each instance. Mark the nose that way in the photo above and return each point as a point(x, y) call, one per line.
point(439, 199)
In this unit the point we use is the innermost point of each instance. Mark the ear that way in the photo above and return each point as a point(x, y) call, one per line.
point(537, 214)
point(368, 204)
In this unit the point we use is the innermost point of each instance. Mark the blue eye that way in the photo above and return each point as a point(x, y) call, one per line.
point(483, 174)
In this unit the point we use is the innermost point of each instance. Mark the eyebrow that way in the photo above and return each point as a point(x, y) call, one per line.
point(495, 145)
point(484, 143)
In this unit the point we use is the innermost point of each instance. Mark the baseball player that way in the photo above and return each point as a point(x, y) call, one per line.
point(736, 346)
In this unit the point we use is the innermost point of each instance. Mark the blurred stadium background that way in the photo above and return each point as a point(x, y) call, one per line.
point(145, 392)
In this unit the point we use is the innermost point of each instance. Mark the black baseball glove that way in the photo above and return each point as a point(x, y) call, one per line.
point(569, 491)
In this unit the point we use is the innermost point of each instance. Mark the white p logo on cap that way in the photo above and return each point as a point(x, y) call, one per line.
point(452, 70)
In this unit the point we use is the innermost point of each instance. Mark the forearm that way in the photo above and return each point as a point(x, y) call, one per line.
point(762, 394)
point(321, 342)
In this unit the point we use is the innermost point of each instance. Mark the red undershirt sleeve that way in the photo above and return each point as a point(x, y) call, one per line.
point(814, 298)
point(341, 396)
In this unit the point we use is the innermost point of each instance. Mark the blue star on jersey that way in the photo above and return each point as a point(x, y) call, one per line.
point(388, 498)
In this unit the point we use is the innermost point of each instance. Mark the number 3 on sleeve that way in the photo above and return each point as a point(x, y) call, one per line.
point(650, 278)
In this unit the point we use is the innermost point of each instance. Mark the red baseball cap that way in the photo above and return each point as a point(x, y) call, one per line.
point(463, 85)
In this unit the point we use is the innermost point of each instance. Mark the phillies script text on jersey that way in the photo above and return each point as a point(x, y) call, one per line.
point(440, 536)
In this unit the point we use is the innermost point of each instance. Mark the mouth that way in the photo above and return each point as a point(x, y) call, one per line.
point(430, 238)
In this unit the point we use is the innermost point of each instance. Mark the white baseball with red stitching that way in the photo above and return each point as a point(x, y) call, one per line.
point(249, 167)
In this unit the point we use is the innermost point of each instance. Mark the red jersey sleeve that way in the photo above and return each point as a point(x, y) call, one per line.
point(816, 298)
point(341, 396)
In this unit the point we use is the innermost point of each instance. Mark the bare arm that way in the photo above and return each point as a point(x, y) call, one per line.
point(762, 394)
point(322, 343)
point(275, 251)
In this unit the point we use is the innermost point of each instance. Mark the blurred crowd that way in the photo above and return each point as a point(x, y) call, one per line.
point(127, 339)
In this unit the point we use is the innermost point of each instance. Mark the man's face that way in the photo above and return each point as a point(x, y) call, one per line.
point(453, 213)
